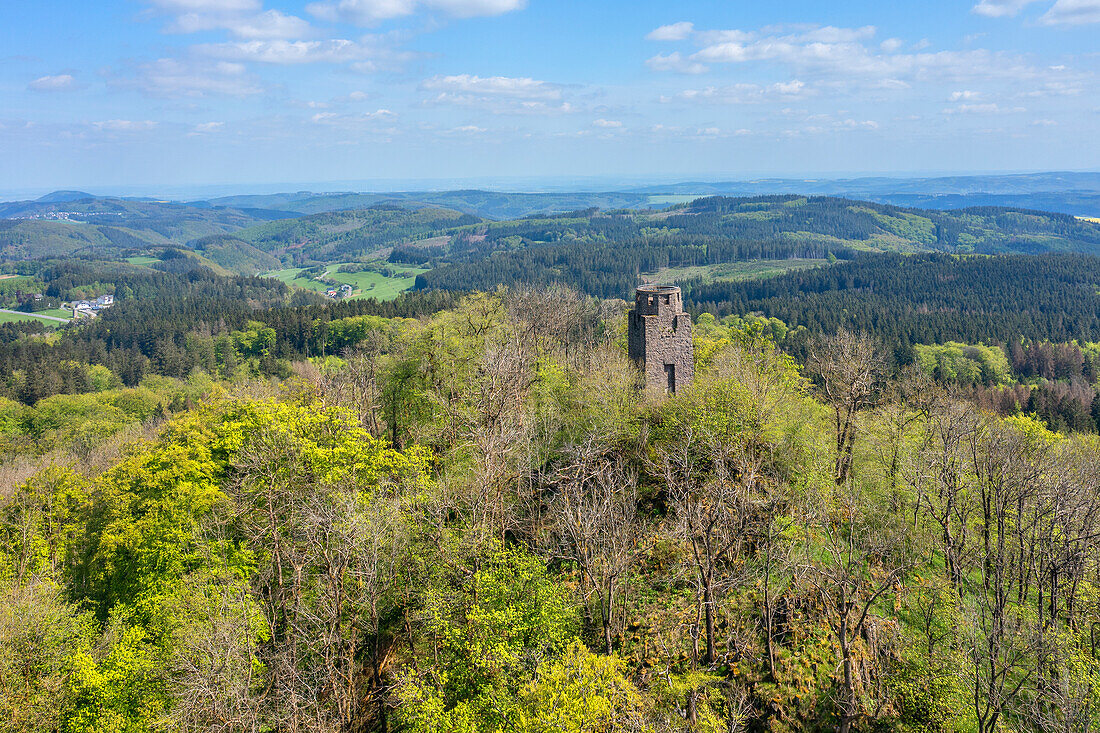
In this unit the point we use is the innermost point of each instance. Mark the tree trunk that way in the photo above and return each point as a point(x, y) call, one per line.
point(708, 602)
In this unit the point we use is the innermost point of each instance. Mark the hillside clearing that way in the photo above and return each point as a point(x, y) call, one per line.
point(367, 284)
point(733, 271)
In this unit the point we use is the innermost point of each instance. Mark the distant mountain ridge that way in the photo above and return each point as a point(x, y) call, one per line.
point(1016, 184)
point(1066, 192)
point(60, 196)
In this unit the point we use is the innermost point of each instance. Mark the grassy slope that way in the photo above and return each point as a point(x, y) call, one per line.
point(733, 271)
point(367, 284)
point(16, 317)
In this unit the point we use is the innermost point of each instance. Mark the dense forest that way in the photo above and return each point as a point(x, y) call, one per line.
point(228, 504)
point(589, 241)
point(927, 299)
point(169, 323)
point(605, 253)
point(466, 516)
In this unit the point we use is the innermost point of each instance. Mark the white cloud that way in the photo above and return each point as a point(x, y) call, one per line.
point(209, 126)
point(523, 87)
point(1000, 8)
point(990, 108)
point(371, 123)
point(607, 124)
point(475, 90)
point(892, 45)
point(176, 78)
point(844, 56)
point(124, 125)
point(55, 83)
point(371, 12)
point(1056, 88)
point(964, 95)
point(745, 93)
point(832, 34)
point(675, 62)
point(380, 114)
point(858, 124)
point(672, 32)
point(794, 87)
point(242, 18)
point(334, 50)
point(1063, 12)
point(266, 25)
point(1072, 12)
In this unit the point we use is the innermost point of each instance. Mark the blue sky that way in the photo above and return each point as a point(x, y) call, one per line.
point(180, 92)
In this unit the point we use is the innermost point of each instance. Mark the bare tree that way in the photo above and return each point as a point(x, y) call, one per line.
point(941, 474)
point(597, 524)
point(859, 565)
point(907, 402)
point(358, 384)
point(709, 494)
point(774, 553)
point(213, 677)
point(331, 568)
point(851, 369)
point(1010, 469)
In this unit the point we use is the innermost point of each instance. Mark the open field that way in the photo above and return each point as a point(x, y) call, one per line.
point(1093, 219)
point(9, 317)
point(143, 260)
point(733, 271)
point(367, 284)
point(13, 281)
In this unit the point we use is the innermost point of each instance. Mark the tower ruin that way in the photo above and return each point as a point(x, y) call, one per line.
point(659, 338)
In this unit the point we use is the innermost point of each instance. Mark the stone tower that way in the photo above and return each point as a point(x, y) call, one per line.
point(659, 336)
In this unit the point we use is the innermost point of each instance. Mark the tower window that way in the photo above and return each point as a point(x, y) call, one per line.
point(670, 376)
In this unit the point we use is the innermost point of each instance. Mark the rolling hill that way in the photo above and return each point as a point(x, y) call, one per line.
point(344, 235)
point(71, 223)
point(605, 254)
point(485, 204)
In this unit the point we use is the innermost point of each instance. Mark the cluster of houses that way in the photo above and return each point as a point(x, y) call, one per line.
point(91, 308)
point(344, 291)
point(21, 297)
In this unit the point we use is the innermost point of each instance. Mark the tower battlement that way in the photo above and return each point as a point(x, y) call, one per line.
point(659, 338)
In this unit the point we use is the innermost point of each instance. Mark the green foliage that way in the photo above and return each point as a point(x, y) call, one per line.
point(258, 559)
point(235, 255)
point(488, 635)
point(582, 692)
point(336, 236)
point(965, 364)
point(40, 634)
point(119, 689)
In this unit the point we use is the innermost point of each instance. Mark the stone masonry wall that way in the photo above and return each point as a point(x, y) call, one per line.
point(659, 336)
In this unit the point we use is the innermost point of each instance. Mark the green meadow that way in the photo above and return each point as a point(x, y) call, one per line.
point(367, 284)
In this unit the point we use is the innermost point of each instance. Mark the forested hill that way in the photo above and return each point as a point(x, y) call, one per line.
point(605, 254)
point(601, 251)
point(927, 298)
point(63, 226)
point(335, 236)
point(986, 229)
